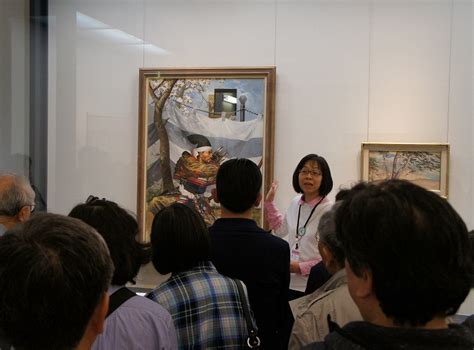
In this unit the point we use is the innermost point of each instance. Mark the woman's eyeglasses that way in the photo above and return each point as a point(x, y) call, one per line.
point(306, 172)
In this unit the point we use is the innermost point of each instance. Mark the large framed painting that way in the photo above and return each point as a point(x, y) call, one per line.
point(190, 121)
point(424, 164)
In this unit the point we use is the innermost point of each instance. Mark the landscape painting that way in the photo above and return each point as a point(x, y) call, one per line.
point(423, 164)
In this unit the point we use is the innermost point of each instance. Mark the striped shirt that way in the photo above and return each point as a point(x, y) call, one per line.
point(205, 307)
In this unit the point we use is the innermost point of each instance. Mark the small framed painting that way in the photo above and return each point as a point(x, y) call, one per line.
point(424, 164)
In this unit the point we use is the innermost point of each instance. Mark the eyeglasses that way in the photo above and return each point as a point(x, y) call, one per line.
point(32, 207)
point(306, 172)
point(15, 211)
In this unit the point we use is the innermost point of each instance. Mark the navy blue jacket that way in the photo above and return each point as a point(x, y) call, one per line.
point(242, 250)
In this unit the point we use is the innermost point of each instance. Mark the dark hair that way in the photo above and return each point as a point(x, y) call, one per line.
point(415, 245)
point(328, 236)
point(326, 182)
point(471, 240)
point(238, 184)
point(54, 270)
point(119, 230)
point(343, 192)
point(179, 238)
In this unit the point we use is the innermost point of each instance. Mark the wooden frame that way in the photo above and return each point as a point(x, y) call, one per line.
point(426, 164)
point(175, 104)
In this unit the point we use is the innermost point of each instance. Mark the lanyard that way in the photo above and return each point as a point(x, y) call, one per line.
point(301, 231)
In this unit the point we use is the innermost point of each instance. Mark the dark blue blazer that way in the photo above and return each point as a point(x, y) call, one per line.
point(242, 250)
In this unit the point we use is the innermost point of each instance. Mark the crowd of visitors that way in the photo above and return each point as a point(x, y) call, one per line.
point(385, 267)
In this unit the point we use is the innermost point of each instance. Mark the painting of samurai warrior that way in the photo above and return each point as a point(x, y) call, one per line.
point(193, 125)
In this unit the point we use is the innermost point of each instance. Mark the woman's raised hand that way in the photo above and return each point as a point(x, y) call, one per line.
point(271, 193)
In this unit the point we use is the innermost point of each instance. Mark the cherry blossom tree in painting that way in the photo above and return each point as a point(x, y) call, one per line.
point(163, 92)
point(385, 165)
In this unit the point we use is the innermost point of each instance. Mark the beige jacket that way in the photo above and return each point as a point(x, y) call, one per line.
point(311, 311)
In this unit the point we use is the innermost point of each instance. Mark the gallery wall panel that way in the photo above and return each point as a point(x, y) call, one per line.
point(210, 33)
point(409, 71)
point(461, 125)
point(322, 66)
point(94, 77)
point(460, 122)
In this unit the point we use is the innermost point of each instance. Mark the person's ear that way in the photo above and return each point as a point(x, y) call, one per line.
point(100, 313)
point(258, 200)
point(214, 195)
point(325, 253)
point(24, 214)
point(362, 283)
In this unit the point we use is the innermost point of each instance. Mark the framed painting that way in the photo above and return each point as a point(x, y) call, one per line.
point(190, 121)
point(424, 164)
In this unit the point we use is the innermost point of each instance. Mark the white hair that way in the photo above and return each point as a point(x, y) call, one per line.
point(15, 193)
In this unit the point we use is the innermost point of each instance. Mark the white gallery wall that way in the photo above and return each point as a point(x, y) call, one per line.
point(347, 72)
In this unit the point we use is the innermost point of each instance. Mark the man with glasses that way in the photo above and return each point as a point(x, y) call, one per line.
point(17, 201)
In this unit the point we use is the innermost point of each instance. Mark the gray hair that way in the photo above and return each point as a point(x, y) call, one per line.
point(15, 193)
point(327, 234)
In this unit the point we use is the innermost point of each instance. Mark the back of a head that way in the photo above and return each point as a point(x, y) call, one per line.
point(415, 245)
point(179, 238)
point(54, 271)
point(119, 230)
point(328, 236)
point(15, 192)
point(238, 184)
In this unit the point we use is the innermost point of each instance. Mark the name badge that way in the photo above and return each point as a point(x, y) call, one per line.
point(295, 255)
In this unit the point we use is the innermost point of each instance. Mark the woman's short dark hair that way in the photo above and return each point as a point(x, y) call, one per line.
point(326, 182)
point(179, 238)
point(119, 230)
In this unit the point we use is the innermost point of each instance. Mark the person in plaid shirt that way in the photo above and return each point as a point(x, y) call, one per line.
point(205, 306)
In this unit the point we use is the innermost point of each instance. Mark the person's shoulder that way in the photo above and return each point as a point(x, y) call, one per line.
point(267, 238)
point(145, 305)
point(142, 311)
point(163, 292)
point(221, 284)
point(326, 203)
point(296, 199)
point(278, 242)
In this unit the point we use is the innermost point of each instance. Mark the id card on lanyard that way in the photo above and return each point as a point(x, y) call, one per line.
point(301, 231)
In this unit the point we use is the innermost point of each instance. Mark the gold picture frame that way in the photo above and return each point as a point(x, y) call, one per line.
point(425, 164)
point(185, 114)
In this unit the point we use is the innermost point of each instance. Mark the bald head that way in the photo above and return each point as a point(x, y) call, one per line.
point(16, 197)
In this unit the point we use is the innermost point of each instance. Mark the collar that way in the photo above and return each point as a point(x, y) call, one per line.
point(364, 334)
point(234, 221)
point(113, 288)
point(202, 266)
point(310, 203)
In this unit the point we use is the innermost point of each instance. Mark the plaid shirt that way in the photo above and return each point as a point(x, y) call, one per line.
point(205, 308)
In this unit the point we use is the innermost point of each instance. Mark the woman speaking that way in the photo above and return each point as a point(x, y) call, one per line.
point(312, 180)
